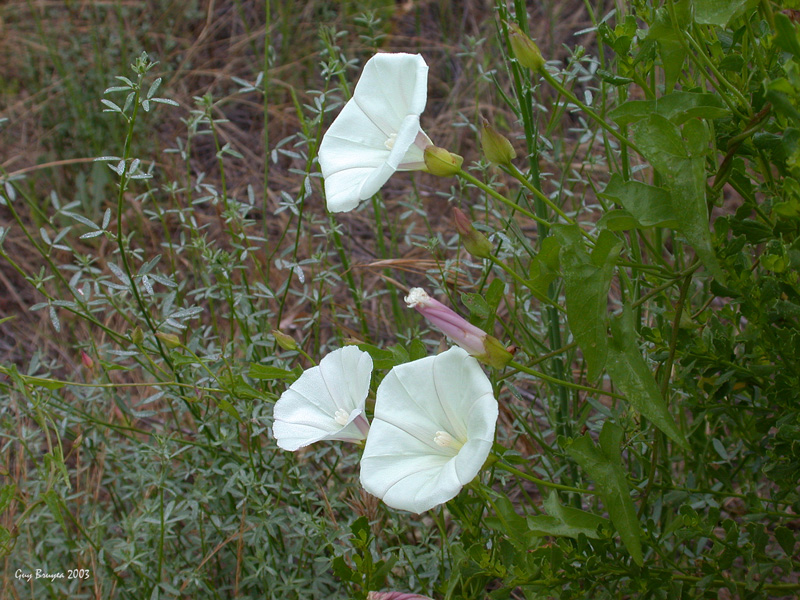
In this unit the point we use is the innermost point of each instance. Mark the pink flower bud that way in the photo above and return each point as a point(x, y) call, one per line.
point(475, 341)
point(86, 360)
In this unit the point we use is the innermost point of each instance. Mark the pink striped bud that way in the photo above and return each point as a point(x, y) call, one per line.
point(476, 342)
point(86, 360)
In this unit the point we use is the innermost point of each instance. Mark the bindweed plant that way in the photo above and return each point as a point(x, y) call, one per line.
point(250, 416)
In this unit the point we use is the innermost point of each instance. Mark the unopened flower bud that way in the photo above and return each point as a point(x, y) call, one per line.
point(441, 162)
point(477, 244)
point(496, 147)
point(284, 340)
point(137, 337)
point(86, 360)
point(170, 339)
point(525, 49)
point(475, 341)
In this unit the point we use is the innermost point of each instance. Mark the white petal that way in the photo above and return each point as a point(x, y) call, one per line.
point(402, 464)
point(306, 412)
point(392, 86)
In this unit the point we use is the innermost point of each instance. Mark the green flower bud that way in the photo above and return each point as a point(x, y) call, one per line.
point(284, 340)
point(496, 147)
point(439, 161)
point(137, 337)
point(495, 354)
point(525, 49)
point(474, 241)
point(170, 339)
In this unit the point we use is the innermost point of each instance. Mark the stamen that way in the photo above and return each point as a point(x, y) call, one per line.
point(341, 416)
point(389, 143)
point(444, 439)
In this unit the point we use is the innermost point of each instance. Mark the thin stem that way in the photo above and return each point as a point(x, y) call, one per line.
point(536, 480)
point(576, 386)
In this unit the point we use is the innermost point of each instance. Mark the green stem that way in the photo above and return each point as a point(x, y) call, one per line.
point(559, 87)
point(576, 386)
point(536, 480)
point(497, 196)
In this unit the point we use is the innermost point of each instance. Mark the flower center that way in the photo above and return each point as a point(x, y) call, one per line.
point(389, 143)
point(445, 440)
point(341, 416)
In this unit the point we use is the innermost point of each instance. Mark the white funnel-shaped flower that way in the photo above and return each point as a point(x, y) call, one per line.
point(433, 429)
point(377, 132)
point(326, 402)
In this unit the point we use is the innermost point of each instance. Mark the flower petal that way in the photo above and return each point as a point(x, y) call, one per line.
point(391, 87)
point(324, 401)
point(402, 462)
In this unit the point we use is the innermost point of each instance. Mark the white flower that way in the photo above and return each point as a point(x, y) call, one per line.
point(377, 132)
point(326, 402)
point(433, 429)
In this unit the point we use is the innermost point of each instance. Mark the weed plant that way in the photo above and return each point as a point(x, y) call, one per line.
point(168, 282)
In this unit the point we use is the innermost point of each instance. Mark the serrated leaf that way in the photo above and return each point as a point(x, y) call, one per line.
point(53, 502)
point(630, 373)
point(587, 280)
point(604, 467)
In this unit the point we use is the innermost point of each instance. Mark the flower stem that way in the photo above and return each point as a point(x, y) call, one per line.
point(559, 87)
point(576, 386)
point(497, 196)
point(536, 480)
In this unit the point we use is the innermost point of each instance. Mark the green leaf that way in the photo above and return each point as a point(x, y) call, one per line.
point(785, 537)
point(720, 12)
point(630, 373)
point(587, 279)
point(543, 269)
point(494, 295)
point(228, 408)
point(662, 145)
point(266, 372)
point(7, 495)
point(381, 359)
point(648, 205)
point(417, 349)
point(678, 107)
point(54, 504)
point(565, 521)
point(604, 467)
point(476, 305)
point(786, 35)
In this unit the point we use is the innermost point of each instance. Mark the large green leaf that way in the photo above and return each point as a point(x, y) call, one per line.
point(720, 12)
point(650, 206)
point(630, 374)
point(587, 279)
point(565, 521)
point(678, 107)
point(604, 467)
point(543, 269)
point(683, 170)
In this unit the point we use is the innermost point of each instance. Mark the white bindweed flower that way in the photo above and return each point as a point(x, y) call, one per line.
point(377, 132)
point(433, 429)
point(326, 402)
